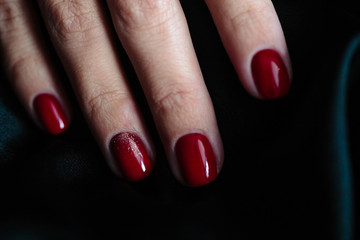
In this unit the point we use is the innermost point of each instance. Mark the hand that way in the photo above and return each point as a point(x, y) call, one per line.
point(156, 38)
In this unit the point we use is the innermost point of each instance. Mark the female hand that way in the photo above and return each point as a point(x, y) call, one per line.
point(156, 38)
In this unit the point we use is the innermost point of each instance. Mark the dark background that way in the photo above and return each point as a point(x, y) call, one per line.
point(277, 179)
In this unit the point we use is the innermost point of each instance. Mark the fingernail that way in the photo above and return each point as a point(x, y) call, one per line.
point(50, 113)
point(196, 159)
point(131, 156)
point(270, 74)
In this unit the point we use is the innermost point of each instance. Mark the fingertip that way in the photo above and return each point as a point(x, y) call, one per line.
point(131, 159)
point(50, 114)
point(270, 74)
point(253, 37)
point(196, 161)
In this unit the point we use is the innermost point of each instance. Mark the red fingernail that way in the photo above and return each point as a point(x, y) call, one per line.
point(50, 113)
point(196, 159)
point(270, 74)
point(131, 155)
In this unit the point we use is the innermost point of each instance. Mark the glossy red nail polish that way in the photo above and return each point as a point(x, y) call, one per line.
point(50, 113)
point(131, 156)
point(270, 74)
point(196, 159)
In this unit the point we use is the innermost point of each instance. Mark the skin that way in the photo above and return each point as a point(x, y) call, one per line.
point(156, 38)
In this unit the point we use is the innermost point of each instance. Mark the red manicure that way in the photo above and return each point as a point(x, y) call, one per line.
point(50, 113)
point(196, 159)
point(130, 154)
point(270, 74)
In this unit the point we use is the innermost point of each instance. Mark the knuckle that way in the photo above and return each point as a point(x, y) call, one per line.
point(143, 14)
point(22, 66)
point(176, 98)
point(102, 104)
point(247, 13)
point(71, 18)
point(9, 14)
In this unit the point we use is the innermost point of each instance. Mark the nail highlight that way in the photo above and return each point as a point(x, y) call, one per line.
point(50, 113)
point(131, 156)
point(270, 74)
point(196, 159)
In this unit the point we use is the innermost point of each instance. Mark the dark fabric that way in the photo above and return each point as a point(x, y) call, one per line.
point(291, 165)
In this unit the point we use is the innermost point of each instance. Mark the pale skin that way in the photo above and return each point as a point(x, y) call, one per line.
point(156, 38)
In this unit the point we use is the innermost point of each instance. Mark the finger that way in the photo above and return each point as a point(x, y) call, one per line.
point(155, 35)
point(29, 67)
point(82, 39)
point(252, 35)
